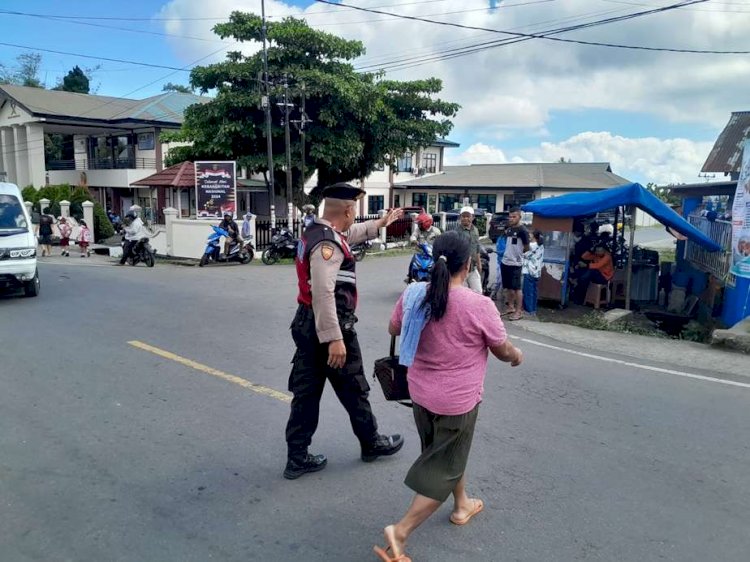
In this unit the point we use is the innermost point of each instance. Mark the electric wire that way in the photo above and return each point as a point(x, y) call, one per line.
point(565, 40)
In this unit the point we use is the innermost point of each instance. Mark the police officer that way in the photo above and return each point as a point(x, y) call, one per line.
point(323, 332)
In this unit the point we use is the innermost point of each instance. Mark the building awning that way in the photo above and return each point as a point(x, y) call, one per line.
point(585, 204)
point(251, 186)
point(179, 175)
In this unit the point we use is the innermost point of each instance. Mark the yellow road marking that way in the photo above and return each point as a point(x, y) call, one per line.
point(259, 388)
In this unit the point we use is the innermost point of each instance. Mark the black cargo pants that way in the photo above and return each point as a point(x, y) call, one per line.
point(310, 371)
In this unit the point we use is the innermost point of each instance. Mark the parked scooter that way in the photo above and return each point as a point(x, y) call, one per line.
point(359, 251)
point(141, 252)
point(484, 257)
point(283, 245)
point(420, 267)
point(242, 253)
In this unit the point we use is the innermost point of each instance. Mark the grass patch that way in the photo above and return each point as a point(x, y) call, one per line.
point(596, 321)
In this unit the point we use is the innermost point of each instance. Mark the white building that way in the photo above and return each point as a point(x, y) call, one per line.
point(498, 187)
point(107, 143)
point(382, 185)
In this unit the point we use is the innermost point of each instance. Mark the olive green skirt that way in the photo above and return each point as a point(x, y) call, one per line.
point(446, 442)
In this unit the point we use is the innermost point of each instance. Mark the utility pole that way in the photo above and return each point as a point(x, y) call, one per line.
point(288, 143)
point(303, 120)
point(300, 124)
point(266, 102)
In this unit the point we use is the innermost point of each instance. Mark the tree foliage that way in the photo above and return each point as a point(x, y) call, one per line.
point(76, 81)
point(25, 73)
point(169, 87)
point(664, 192)
point(359, 121)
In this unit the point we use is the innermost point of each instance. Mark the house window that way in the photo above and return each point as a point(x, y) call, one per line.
point(419, 200)
point(449, 201)
point(397, 200)
point(516, 199)
point(375, 203)
point(487, 202)
point(429, 162)
point(403, 164)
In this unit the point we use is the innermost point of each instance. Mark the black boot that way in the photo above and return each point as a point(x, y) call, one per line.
point(383, 446)
point(296, 467)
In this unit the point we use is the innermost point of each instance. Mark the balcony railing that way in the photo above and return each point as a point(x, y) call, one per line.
point(716, 263)
point(103, 164)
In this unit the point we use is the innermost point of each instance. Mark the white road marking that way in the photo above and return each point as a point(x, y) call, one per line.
point(659, 370)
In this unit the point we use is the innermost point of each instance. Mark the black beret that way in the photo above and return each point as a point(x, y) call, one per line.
point(343, 191)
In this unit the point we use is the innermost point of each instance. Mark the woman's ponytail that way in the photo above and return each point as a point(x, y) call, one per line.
point(450, 252)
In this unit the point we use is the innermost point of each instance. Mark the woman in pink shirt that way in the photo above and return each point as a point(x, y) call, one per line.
point(446, 381)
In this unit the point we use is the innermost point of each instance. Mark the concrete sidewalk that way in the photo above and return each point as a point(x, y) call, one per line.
point(689, 356)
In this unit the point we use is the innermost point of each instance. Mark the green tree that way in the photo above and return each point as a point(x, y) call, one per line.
point(359, 121)
point(76, 81)
point(169, 87)
point(26, 72)
point(664, 192)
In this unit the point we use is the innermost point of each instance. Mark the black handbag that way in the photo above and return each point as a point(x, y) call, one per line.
point(392, 377)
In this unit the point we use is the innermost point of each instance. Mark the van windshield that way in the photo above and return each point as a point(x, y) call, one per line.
point(12, 216)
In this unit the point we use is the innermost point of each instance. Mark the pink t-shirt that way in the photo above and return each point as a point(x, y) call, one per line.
point(447, 376)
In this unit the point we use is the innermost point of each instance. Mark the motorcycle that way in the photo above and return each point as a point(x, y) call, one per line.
point(283, 245)
point(142, 252)
point(242, 253)
point(484, 257)
point(359, 251)
point(420, 267)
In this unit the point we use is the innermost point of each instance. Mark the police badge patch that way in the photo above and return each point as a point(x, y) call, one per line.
point(326, 250)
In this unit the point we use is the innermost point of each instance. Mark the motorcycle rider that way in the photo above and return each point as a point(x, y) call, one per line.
point(423, 232)
point(309, 218)
point(231, 227)
point(134, 231)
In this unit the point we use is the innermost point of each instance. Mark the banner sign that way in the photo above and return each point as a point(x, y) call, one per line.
point(215, 189)
point(741, 219)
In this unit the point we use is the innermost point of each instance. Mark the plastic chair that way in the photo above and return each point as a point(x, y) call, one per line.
point(597, 294)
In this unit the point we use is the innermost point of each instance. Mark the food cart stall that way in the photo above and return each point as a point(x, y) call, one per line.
point(555, 217)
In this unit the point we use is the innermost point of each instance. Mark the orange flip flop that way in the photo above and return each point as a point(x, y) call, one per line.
point(383, 554)
point(478, 506)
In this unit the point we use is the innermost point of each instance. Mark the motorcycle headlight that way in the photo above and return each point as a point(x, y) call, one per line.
point(21, 253)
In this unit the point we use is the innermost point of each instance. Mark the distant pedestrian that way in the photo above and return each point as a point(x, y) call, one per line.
point(45, 232)
point(517, 242)
point(499, 252)
point(469, 232)
point(532, 271)
point(65, 231)
point(84, 239)
point(247, 232)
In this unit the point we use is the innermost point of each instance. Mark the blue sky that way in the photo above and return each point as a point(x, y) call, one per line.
point(653, 115)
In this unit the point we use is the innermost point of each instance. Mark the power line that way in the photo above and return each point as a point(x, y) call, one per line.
point(136, 63)
point(559, 39)
point(573, 18)
point(485, 9)
point(90, 24)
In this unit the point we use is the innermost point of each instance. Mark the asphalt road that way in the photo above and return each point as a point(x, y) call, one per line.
point(109, 452)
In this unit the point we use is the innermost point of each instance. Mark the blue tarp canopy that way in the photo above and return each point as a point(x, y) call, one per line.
point(584, 204)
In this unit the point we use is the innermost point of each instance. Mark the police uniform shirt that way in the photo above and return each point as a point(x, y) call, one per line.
point(325, 261)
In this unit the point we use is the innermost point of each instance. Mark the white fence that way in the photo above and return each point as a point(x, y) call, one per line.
point(716, 263)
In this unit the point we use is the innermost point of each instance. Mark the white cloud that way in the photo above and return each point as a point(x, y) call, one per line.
point(516, 89)
point(518, 85)
point(645, 159)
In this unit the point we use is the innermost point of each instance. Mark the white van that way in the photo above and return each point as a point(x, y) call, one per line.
point(17, 243)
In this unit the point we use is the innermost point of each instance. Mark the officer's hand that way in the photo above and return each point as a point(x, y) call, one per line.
point(392, 216)
point(336, 354)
